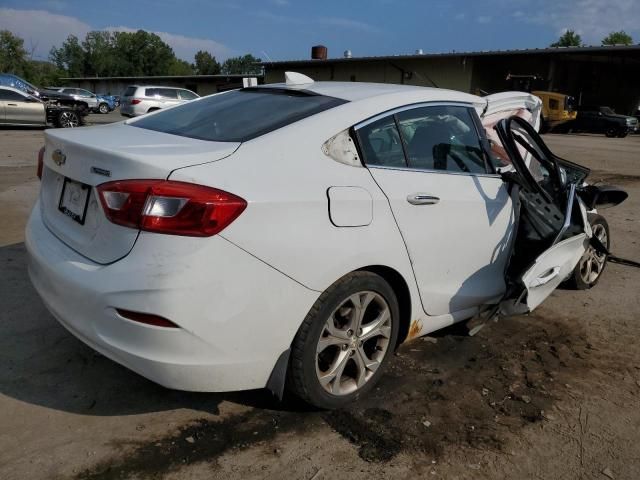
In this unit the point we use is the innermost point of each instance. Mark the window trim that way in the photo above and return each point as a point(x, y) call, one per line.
point(439, 103)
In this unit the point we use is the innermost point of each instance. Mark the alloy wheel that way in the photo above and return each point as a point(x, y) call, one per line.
point(592, 262)
point(353, 343)
point(69, 120)
point(103, 108)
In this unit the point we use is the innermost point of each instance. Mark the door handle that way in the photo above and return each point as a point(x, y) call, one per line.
point(545, 278)
point(12, 104)
point(422, 199)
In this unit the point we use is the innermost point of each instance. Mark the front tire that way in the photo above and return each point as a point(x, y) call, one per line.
point(590, 267)
point(103, 108)
point(345, 341)
point(611, 132)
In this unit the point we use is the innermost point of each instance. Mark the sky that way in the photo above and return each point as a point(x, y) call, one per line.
point(286, 29)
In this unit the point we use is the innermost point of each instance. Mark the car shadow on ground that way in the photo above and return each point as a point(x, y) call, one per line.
point(43, 364)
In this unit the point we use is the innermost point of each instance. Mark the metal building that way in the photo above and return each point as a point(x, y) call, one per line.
point(608, 75)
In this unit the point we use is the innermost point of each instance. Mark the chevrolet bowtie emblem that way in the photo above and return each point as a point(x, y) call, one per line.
point(59, 158)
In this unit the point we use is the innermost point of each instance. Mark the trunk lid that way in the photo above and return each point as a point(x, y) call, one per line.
point(77, 160)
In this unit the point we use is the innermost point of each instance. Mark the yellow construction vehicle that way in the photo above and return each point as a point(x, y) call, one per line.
point(557, 108)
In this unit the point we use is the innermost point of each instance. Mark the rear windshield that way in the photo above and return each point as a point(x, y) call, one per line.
point(129, 92)
point(239, 115)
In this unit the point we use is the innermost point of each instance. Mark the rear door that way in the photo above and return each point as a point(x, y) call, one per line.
point(454, 214)
point(169, 96)
point(553, 231)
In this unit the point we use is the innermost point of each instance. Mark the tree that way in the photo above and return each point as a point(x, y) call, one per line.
point(618, 38)
point(241, 65)
point(69, 57)
point(13, 56)
point(100, 55)
point(568, 39)
point(43, 74)
point(180, 67)
point(206, 64)
point(141, 53)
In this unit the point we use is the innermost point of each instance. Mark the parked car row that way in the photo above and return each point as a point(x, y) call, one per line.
point(22, 103)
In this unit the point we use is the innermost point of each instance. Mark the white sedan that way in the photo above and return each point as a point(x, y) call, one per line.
point(295, 234)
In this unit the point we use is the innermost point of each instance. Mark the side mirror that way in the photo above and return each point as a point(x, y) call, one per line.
point(602, 196)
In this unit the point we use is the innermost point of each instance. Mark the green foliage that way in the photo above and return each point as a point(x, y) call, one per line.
point(112, 54)
point(618, 38)
point(180, 67)
point(241, 65)
point(43, 74)
point(13, 56)
point(70, 57)
point(568, 39)
point(99, 54)
point(206, 64)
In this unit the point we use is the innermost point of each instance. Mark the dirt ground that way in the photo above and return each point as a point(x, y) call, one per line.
point(554, 395)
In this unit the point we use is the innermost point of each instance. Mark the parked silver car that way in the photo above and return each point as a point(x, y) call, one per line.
point(138, 100)
point(22, 109)
point(90, 98)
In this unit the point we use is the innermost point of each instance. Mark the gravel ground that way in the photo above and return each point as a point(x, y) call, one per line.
point(551, 395)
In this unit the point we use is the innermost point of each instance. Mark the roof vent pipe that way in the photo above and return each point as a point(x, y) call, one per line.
point(319, 52)
point(347, 54)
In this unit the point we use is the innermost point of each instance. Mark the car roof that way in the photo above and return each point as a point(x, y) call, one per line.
point(159, 86)
point(355, 91)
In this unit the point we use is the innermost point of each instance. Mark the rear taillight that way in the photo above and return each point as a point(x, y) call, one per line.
point(135, 101)
point(40, 162)
point(165, 206)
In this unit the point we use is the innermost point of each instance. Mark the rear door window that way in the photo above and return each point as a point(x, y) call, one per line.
point(441, 138)
point(161, 92)
point(238, 115)
point(424, 138)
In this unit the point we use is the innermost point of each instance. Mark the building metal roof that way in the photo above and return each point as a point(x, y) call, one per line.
point(167, 77)
point(454, 54)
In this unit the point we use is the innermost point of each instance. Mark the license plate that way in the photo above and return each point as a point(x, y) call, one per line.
point(74, 200)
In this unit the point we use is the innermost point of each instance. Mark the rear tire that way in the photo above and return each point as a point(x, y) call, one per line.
point(68, 119)
point(590, 267)
point(152, 110)
point(345, 341)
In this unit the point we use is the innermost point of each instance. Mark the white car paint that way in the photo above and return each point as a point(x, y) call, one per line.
point(240, 296)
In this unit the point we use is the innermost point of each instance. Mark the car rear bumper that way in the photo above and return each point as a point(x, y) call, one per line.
point(236, 314)
point(129, 110)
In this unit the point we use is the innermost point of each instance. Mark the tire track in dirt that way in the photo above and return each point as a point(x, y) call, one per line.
point(440, 391)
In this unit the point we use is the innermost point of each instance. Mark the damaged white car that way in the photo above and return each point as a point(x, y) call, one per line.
point(293, 235)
